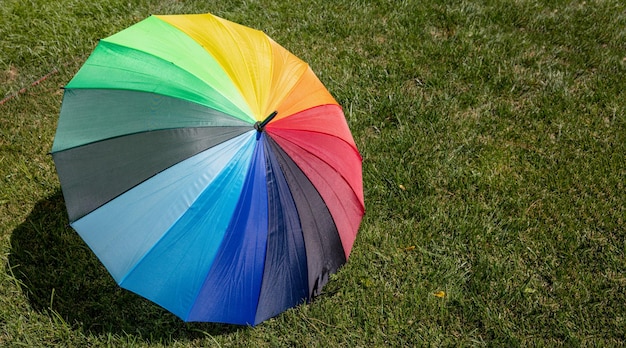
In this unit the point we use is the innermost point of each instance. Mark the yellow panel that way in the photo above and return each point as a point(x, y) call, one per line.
point(286, 72)
point(244, 53)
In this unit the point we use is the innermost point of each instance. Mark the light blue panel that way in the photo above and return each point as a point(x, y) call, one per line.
point(173, 271)
point(123, 230)
point(230, 292)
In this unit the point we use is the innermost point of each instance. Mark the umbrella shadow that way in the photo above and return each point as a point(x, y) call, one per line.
point(58, 272)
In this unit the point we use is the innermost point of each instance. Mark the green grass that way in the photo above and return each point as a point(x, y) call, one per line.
point(493, 135)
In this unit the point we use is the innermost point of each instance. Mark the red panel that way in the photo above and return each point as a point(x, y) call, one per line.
point(333, 151)
point(334, 168)
point(328, 119)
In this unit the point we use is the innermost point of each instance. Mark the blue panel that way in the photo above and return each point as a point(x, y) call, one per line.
point(231, 290)
point(123, 230)
point(171, 273)
point(285, 279)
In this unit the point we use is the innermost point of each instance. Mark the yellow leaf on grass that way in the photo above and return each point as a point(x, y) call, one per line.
point(440, 294)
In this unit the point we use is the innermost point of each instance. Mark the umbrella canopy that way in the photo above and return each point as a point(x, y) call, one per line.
point(208, 168)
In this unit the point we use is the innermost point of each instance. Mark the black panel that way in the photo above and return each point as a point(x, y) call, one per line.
point(324, 250)
point(94, 174)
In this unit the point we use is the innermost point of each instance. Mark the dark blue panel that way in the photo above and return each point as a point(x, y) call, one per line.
point(230, 292)
point(324, 251)
point(285, 282)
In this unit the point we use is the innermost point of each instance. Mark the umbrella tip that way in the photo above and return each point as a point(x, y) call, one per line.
point(260, 125)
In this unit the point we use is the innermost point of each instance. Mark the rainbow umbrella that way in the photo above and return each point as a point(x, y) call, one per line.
point(208, 169)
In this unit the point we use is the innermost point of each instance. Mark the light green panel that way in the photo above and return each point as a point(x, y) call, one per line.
point(111, 66)
point(159, 38)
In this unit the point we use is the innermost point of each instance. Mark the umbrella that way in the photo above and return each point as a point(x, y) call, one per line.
point(208, 169)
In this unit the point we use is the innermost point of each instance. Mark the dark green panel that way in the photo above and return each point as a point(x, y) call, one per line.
point(94, 174)
point(90, 115)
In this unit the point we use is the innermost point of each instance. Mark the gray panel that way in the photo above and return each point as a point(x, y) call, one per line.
point(94, 174)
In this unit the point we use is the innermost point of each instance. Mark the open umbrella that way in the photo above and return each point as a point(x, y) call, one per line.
point(208, 169)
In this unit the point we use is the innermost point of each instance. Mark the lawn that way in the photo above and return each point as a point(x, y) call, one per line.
point(493, 136)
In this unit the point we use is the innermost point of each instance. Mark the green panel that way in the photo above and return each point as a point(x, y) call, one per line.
point(159, 38)
point(111, 66)
point(89, 115)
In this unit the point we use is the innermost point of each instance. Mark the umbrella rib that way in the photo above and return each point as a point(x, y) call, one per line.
point(296, 174)
point(354, 149)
